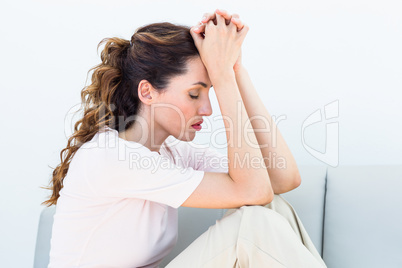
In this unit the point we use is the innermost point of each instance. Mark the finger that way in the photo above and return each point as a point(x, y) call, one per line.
point(207, 17)
point(195, 27)
point(239, 24)
point(199, 28)
point(224, 14)
point(208, 26)
point(196, 37)
point(232, 28)
point(243, 32)
point(220, 20)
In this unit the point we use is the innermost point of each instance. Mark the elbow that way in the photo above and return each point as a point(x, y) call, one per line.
point(266, 201)
point(296, 181)
point(291, 185)
point(266, 196)
point(259, 195)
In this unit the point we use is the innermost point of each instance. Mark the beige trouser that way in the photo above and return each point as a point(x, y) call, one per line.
point(253, 236)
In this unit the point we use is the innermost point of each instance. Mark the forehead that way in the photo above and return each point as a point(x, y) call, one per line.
point(196, 75)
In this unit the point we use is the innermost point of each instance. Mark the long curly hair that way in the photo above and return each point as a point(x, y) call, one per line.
point(156, 53)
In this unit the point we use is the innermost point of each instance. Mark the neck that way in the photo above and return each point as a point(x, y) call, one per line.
point(136, 133)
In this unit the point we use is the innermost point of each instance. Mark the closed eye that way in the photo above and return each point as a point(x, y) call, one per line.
point(194, 97)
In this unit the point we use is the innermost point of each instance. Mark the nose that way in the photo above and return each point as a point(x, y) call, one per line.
point(206, 108)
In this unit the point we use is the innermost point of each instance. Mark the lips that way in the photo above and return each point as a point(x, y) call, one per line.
point(198, 123)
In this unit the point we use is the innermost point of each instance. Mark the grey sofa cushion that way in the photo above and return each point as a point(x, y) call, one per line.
point(308, 201)
point(363, 217)
point(42, 249)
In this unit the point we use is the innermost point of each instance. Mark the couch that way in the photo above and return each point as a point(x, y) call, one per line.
point(353, 215)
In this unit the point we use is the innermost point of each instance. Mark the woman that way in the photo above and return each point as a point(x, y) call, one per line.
point(127, 167)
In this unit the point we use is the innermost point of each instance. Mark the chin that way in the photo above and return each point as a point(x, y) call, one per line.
point(188, 136)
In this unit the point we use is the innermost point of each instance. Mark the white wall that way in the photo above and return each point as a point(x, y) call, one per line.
point(302, 55)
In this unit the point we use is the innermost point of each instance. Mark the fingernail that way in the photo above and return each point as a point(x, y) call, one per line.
point(204, 18)
point(195, 28)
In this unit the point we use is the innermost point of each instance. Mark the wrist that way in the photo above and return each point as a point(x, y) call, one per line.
point(238, 68)
point(240, 75)
point(224, 75)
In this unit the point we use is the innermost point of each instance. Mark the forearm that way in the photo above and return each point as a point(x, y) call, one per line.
point(280, 163)
point(239, 146)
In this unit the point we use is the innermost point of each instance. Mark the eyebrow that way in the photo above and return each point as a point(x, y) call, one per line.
point(201, 83)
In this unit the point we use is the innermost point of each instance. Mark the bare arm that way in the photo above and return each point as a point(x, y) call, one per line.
point(281, 165)
point(241, 152)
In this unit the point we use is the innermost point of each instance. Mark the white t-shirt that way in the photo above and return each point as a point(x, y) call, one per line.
point(118, 206)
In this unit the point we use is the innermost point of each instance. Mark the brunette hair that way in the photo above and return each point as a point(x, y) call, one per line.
point(156, 53)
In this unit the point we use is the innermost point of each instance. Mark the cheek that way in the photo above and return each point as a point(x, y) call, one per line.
point(175, 114)
point(182, 109)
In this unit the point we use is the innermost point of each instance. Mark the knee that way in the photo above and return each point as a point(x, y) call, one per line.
point(252, 209)
point(280, 205)
point(254, 213)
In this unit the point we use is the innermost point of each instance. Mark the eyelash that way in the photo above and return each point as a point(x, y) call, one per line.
point(193, 97)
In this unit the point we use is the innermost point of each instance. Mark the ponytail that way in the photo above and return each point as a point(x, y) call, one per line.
point(96, 101)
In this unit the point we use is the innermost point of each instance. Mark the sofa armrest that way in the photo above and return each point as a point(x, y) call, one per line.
point(363, 217)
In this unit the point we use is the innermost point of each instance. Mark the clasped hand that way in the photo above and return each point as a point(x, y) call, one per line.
point(218, 38)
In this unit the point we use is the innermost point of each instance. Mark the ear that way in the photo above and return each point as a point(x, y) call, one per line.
point(146, 92)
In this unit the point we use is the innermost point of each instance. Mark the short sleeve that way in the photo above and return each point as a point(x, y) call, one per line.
point(128, 172)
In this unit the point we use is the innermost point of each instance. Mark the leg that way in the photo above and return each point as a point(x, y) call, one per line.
point(283, 207)
point(250, 236)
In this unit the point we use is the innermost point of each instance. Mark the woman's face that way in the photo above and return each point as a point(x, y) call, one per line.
point(184, 103)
